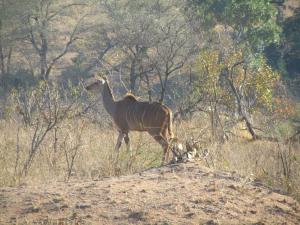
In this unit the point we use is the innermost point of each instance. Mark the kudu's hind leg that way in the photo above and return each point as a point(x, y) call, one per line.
point(127, 142)
point(165, 145)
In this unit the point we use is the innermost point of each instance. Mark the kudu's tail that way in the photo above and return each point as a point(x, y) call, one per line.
point(170, 125)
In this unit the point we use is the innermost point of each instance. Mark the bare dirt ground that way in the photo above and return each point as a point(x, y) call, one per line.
point(185, 193)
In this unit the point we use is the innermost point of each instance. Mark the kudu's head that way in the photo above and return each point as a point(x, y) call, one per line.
point(95, 84)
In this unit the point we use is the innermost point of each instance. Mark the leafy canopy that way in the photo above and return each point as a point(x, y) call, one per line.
point(253, 22)
point(255, 83)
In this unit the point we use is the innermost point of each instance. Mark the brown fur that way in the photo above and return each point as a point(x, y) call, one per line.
point(142, 116)
point(129, 114)
point(154, 118)
point(130, 96)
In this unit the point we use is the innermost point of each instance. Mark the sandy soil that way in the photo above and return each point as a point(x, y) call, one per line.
point(176, 194)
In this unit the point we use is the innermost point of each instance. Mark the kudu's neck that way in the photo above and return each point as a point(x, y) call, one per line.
point(108, 100)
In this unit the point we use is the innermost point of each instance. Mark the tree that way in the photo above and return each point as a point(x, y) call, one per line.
point(208, 85)
point(11, 13)
point(291, 44)
point(253, 23)
point(42, 109)
point(239, 31)
point(175, 46)
point(41, 25)
point(151, 40)
point(230, 83)
point(130, 29)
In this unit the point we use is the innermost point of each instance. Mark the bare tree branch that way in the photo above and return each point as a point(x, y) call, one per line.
point(58, 12)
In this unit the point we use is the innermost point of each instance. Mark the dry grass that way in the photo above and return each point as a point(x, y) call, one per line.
point(90, 147)
point(277, 165)
point(82, 152)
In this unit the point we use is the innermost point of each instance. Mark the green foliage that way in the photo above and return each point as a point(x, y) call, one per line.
point(18, 80)
point(12, 14)
point(253, 22)
point(209, 68)
point(291, 30)
point(75, 72)
point(254, 81)
point(263, 83)
point(285, 56)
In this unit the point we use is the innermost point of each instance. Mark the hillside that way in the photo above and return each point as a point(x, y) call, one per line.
point(176, 194)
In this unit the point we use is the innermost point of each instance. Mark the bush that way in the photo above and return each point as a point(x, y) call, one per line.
point(20, 80)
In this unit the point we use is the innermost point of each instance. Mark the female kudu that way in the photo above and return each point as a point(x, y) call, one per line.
point(129, 114)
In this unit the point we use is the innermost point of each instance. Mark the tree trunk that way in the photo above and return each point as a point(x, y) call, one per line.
point(242, 110)
point(162, 94)
point(1, 52)
point(149, 88)
point(9, 60)
point(133, 75)
point(164, 86)
point(212, 124)
point(43, 65)
point(43, 53)
point(250, 128)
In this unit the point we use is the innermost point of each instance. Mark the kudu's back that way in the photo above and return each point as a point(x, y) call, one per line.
point(143, 116)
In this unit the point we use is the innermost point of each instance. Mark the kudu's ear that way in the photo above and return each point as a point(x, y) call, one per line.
point(104, 77)
point(100, 76)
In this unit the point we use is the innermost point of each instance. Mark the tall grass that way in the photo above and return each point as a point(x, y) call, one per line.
point(79, 147)
point(85, 145)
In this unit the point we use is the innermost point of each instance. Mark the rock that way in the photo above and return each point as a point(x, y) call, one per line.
point(82, 206)
point(31, 209)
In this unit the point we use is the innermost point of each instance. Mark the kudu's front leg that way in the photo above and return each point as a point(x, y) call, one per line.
point(119, 141)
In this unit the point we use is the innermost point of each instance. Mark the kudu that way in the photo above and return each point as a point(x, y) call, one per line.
point(129, 114)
